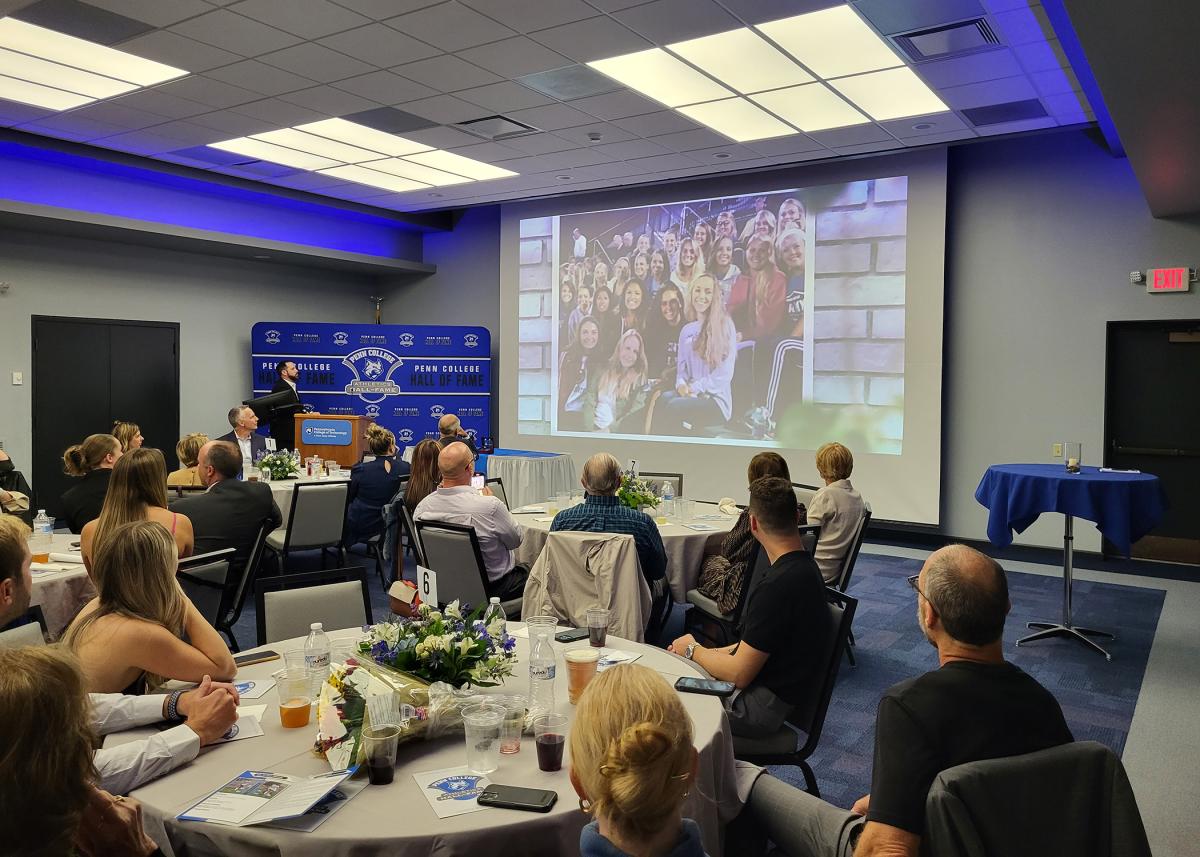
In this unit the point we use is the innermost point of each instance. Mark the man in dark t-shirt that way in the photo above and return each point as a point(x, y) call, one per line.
point(976, 706)
point(784, 623)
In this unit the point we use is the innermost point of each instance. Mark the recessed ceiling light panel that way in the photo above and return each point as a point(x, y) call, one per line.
point(459, 165)
point(417, 172)
point(811, 107)
point(275, 154)
point(737, 119)
point(742, 59)
point(373, 178)
point(315, 145)
point(657, 74)
point(79, 53)
point(891, 94)
point(25, 92)
point(367, 138)
point(831, 42)
point(34, 70)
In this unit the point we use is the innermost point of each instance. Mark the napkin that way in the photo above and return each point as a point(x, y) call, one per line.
point(728, 505)
point(74, 558)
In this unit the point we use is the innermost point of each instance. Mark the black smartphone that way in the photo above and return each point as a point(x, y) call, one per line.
point(255, 658)
point(515, 797)
point(570, 636)
point(709, 687)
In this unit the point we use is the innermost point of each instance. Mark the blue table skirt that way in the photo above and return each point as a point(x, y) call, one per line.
point(1124, 506)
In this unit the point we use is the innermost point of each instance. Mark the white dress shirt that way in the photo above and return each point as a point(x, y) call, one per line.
point(498, 532)
point(128, 766)
point(247, 450)
point(837, 508)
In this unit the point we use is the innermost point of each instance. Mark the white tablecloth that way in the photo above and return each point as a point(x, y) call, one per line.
point(281, 489)
point(528, 479)
point(685, 547)
point(61, 594)
point(395, 819)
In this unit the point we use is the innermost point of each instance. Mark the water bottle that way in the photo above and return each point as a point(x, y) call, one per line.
point(541, 669)
point(316, 657)
point(668, 498)
point(494, 613)
point(42, 537)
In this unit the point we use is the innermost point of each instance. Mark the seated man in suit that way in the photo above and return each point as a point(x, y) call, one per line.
point(244, 437)
point(784, 624)
point(975, 706)
point(230, 512)
point(450, 430)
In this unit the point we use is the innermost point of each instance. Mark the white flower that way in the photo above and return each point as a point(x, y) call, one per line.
point(452, 610)
point(495, 627)
point(464, 646)
point(434, 615)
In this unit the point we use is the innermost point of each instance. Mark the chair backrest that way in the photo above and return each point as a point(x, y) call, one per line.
point(204, 580)
point(413, 536)
point(232, 608)
point(758, 562)
point(318, 514)
point(809, 715)
point(657, 479)
point(452, 551)
point(847, 569)
point(497, 486)
point(288, 604)
point(804, 493)
point(810, 534)
point(31, 633)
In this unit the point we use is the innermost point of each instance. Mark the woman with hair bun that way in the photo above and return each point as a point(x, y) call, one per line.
point(632, 764)
point(93, 462)
point(373, 484)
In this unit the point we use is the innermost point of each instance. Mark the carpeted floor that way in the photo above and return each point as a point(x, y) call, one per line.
point(1097, 696)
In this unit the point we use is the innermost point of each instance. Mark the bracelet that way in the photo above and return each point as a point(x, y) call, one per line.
point(173, 706)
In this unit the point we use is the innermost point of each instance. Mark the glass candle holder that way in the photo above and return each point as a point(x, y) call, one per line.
point(1072, 456)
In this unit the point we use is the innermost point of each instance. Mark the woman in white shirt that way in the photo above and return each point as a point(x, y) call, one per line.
point(690, 265)
point(837, 508)
point(722, 268)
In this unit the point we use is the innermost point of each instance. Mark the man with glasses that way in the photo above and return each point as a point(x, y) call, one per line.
point(975, 706)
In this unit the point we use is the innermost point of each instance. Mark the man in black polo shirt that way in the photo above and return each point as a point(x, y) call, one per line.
point(975, 706)
point(784, 623)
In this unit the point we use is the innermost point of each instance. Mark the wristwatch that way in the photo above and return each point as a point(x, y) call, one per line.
point(687, 653)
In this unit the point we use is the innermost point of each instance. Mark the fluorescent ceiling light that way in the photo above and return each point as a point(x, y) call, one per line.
point(891, 94)
point(737, 119)
point(25, 92)
point(742, 59)
point(315, 145)
point(460, 165)
point(832, 42)
point(417, 172)
point(46, 73)
point(50, 45)
point(811, 107)
point(373, 178)
point(274, 154)
point(360, 135)
point(664, 78)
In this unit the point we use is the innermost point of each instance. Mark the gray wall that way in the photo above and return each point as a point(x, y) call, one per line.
point(215, 300)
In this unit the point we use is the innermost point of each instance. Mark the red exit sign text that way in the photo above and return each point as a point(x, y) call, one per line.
point(1160, 280)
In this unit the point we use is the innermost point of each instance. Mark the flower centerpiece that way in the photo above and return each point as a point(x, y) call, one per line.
point(281, 464)
point(636, 492)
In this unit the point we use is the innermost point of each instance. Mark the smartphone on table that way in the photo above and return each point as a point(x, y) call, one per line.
point(251, 658)
point(706, 686)
point(571, 635)
point(516, 797)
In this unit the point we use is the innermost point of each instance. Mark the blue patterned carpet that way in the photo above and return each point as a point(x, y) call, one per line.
point(1098, 697)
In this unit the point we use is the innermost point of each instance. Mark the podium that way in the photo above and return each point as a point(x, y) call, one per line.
point(334, 437)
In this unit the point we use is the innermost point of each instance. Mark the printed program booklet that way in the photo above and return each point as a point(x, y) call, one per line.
point(254, 797)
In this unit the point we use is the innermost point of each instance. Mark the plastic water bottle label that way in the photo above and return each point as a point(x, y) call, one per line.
point(317, 660)
point(541, 671)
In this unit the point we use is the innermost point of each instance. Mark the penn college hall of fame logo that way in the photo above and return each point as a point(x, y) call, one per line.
point(372, 369)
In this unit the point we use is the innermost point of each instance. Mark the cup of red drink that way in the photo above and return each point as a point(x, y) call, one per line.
point(379, 749)
point(598, 619)
point(550, 737)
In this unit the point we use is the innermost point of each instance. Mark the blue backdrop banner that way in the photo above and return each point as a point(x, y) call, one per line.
point(404, 377)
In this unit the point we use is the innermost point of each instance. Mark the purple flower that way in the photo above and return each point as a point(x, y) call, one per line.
point(510, 643)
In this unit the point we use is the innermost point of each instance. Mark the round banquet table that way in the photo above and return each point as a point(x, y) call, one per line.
point(61, 594)
point(685, 547)
point(529, 476)
point(281, 490)
point(396, 820)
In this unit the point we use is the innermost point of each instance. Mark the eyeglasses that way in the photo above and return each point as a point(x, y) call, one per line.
point(912, 581)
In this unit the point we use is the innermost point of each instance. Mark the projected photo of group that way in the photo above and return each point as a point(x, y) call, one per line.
point(770, 319)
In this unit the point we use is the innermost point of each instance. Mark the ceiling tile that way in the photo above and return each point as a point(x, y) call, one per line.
point(122, 116)
point(591, 39)
point(989, 92)
point(234, 124)
point(142, 142)
point(939, 123)
point(869, 148)
point(676, 20)
point(698, 138)
point(83, 21)
point(309, 19)
point(527, 15)
point(974, 68)
point(75, 134)
point(760, 11)
point(515, 57)
point(1016, 127)
point(1055, 82)
point(737, 153)
point(445, 109)
point(162, 103)
point(1021, 26)
point(935, 139)
point(447, 73)
point(224, 29)
point(616, 170)
point(283, 114)
point(658, 163)
point(614, 5)
point(12, 113)
point(385, 87)
point(260, 77)
point(489, 153)
point(539, 144)
point(330, 101)
point(504, 96)
point(179, 51)
point(1041, 56)
point(616, 105)
point(781, 146)
point(855, 135)
point(442, 137)
point(190, 132)
point(450, 26)
point(76, 126)
point(609, 133)
point(206, 90)
point(890, 17)
point(662, 122)
point(318, 62)
point(630, 149)
point(551, 117)
point(1066, 104)
point(160, 13)
point(379, 45)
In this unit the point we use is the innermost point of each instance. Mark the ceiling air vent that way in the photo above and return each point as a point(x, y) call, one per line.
point(497, 128)
point(1009, 111)
point(948, 41)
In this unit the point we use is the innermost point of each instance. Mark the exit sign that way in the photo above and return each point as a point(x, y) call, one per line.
point(1160, 280)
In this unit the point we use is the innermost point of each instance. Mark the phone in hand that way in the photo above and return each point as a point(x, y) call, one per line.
point(515, 797)
point(255, 658)
point(571, 635)
point(706, 686)
point(478, 481)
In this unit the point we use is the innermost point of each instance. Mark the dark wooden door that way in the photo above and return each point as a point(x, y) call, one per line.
point(87, 373)
point(1152, 424)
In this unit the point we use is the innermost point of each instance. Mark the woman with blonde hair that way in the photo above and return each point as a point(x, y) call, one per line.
point(373, 484)
point(93, 461)
point(690, 265)
point(633, 763)
point(837, 507)
point(188, 452)
point(131, 634)
point(129, 434)
point(759, 294)
point(137, 492)
point(612, 403)
point(621, 275)
point(425, 475)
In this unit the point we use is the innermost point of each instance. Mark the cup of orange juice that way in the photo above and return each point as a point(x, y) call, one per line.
point(295, 699)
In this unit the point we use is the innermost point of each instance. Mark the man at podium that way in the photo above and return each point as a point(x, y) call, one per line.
point(283, 427)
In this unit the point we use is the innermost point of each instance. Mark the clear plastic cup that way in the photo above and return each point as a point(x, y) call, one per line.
point(295, 698)
point(293, 659)
point(379, 750)
point(581, 669)
point(513, 724)
point(598, 619)
point(482, 724)
point(550, 737)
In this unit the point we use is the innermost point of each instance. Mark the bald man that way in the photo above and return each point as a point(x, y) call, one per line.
point(450, 431)
point(975, 706)
point(456, 502)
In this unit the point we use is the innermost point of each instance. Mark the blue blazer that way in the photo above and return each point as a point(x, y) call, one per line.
point(258, 443)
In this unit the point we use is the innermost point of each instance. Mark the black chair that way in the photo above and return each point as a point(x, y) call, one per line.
point(414, 539)
point(804, 493)
point(231, 608)
point(843, 581)
point(286, 605)
point(496, 484)
point(808, 716)
point(317, 520)
point(203, 578)
point(453, 552)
